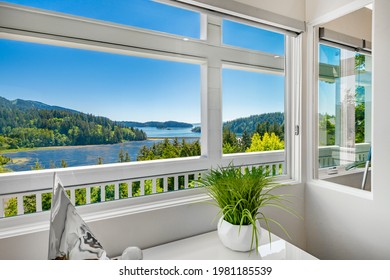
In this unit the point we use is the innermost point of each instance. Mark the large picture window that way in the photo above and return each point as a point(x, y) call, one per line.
point(120, 112)
point(64, 107)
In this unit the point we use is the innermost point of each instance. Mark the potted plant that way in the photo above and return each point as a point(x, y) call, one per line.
point(241, 195)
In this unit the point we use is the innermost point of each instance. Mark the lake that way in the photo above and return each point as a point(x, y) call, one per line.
point(88, 155)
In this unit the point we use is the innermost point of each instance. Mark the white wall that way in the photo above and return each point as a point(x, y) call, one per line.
point(357, 24)
point(340, 223)
point(315, 9)
point(291, 8)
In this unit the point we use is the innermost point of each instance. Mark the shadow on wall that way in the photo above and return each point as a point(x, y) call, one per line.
point(353, 180)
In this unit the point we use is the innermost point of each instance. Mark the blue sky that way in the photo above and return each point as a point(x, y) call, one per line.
point(132, 88)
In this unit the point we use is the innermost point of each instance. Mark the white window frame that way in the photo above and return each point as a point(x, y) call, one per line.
point(33, 25)
point(312, 69)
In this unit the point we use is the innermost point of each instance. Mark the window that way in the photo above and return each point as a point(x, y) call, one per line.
point(64, 107)
point(147, 14)
point(252, 38)
point(90, 96)
point(344, 112)
point(253, 111)
point(253, 98)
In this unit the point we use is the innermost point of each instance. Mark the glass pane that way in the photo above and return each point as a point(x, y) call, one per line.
point(253, 111)
point(63, 107)
point(253, 38)
point(344, 106)
point(146, 14)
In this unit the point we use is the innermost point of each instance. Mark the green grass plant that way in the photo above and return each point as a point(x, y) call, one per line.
point(240, 196)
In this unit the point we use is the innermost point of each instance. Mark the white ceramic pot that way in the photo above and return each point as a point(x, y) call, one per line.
point(235, 238)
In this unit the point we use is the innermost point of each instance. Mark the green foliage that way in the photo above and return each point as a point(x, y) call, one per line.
point(359, 123)
point(196, 129)
point(46, 201)
point(326, 123)
point(37, 166)
point(240, 196)
point(266, 143)
point(123, 156)
point(246, 140)
point(360, 61)
point(230, 142)
point(269, 122)
point(11, 207)
point(168, 149)
point(29, 204)
point(4, 160)
point(29, 127)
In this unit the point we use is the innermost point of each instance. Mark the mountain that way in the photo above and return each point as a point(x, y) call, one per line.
point(29, 104)
point(162, 125)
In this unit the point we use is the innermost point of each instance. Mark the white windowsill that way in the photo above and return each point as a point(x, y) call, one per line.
point(208, 247)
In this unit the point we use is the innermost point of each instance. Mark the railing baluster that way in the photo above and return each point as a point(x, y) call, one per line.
point(186, 180)
point(154, 185)
point(176, 183)
point(142, 187)
point(102, 193)
point(38, 201)
point(130, 189)
point(88, 195)
point(72, 196)
point(165, 184)
point(116, 191)
point(1, 207)
point(20, 208)
point(157, 182)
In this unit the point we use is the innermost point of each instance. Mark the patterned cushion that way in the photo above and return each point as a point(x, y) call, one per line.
point(70, 238)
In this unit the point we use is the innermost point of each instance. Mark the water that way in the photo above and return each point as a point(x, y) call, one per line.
point(154, 132)
point(89, 155)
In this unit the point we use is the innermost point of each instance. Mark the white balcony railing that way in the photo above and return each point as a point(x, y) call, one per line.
point(31, 191)
point(329, 156)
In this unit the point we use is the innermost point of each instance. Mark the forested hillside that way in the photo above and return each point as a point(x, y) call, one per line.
point(30, 124)
point(269, 122)
point(161, 125)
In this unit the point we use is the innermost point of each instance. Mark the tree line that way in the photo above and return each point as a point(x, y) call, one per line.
point(31, 128)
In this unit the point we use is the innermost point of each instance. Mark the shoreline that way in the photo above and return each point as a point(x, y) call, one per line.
point(12, 151)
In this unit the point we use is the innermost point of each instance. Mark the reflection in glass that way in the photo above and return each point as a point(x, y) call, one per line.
point(344, 110)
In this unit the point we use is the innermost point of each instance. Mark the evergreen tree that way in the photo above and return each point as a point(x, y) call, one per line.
point(63, 163)
point(245, 140)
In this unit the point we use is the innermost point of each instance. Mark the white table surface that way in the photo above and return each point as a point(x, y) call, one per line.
point(208, 247)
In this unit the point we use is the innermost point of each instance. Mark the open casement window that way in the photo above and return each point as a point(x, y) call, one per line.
point(344, 115)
